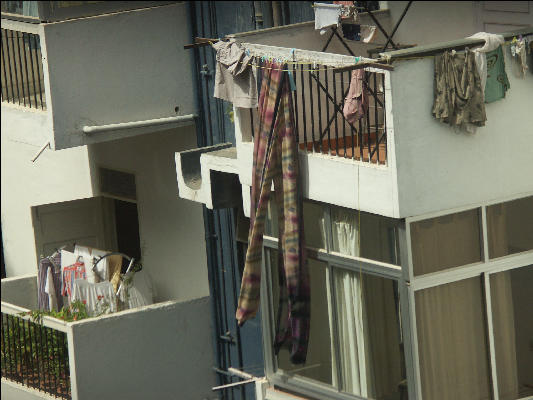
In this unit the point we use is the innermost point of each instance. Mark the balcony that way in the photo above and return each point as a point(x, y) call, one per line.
point(398, 161)
point(129, 354)
point(22, 69)
point(96, 78)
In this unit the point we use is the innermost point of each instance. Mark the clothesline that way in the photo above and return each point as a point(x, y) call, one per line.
point(506, 43)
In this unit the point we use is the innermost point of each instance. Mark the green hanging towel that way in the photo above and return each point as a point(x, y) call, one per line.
point(497, 81)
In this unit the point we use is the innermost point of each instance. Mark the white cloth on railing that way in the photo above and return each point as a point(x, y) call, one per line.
point(89, 255)
point(287, 54)
point(99, 298)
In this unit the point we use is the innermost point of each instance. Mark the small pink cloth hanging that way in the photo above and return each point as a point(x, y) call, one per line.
point(356, 102)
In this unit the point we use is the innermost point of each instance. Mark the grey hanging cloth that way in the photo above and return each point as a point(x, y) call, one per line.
point(235, 79)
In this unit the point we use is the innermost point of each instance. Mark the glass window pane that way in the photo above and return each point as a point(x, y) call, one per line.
point(512, 317)
point(452, 343)
point(377, 240)
point(371, 359)
point(318, 364)
point(445, 242)
point(510, 227)
point(313, 223)
point(26, 8)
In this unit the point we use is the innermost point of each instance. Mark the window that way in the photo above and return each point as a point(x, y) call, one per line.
point(355, 341)
point(474, 325)
point(510, 227)
point(452, 343)
point(25, 8)
point(512, 305)
point(117, 184)
point(445, 242)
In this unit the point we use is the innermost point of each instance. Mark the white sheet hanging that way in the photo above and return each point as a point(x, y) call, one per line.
point(327, 15)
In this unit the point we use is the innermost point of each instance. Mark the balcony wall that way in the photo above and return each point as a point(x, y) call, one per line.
point(430, 167)
point(109, 69)
point(439, 168)
point(163, 350)
point(116, 68)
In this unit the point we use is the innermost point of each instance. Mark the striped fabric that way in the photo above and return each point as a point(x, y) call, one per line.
point(53, 262)
point(71, 273)
point(276, 159)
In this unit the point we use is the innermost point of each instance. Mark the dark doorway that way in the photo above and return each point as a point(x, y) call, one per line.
point(2, 255)
point(127, 225)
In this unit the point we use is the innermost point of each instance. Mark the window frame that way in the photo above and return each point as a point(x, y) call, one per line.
point(483, 270)
point(307, 386)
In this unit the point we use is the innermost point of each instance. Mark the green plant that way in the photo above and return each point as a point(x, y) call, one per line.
point(76, 311)
point(34, 353)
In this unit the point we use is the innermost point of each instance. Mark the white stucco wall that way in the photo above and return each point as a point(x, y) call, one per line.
point(439, 21)
point(115, 68)
point(171, 229)
point(53, 177)
point(159, 352)
point(20, 291)
point(439, 168)
point(433, 21)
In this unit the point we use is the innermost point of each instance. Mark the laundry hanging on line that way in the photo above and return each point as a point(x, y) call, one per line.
point(492, 42)
point(458, 102)
point(276, 160)
point(356, 102)
point(519, 50)
point(497, 81)
point(99, 298)
point(327, 15)
point(49, 283)
point(235, 79)
point(362, 33)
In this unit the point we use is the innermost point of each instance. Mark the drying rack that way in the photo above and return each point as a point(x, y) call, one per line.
point(130, 265)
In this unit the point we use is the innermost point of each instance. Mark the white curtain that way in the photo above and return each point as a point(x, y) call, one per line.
point(349, 308)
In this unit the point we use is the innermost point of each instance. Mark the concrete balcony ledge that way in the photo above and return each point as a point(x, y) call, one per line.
point(160, 349)
point(209, 175)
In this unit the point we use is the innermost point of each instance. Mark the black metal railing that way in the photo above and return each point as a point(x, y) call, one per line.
point(22, 69)
point(320, 124)
point(35, 355)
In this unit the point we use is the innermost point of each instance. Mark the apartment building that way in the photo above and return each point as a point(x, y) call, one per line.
point(96, 99)
point(418, 237)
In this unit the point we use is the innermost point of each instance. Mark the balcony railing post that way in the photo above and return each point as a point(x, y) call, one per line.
point(295, 96)
point(376, 121)
point(16, 33)
point(336, 119)
point(38, 71)
point(312, 113)
point(9, 58)
point(319, 100)
point(26, 69)
point(303, 105)
point(327, 115)
point(343, 120)
point(19, 49)
point(366, 81)
point(15, 64)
